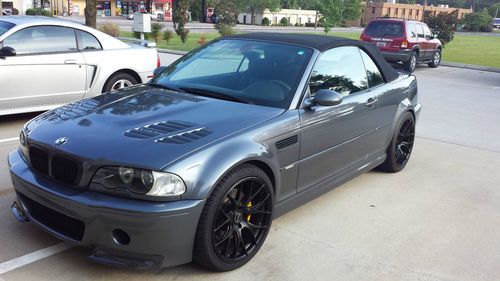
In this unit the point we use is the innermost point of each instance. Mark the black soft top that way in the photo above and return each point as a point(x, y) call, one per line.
point(323, 43)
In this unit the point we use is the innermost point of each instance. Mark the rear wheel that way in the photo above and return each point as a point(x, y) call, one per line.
point(436, 59)
point(235, 220)
point(399, 150)
point(118, 81)
point(411, 63)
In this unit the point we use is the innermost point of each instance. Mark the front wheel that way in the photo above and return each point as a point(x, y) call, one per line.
point(411, 63)
point(399, 150)
point(436, 59)
point(118, 81)
point(235, 220)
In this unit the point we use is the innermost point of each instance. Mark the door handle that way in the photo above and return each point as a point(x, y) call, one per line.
point(70, 62)
point(371, 102)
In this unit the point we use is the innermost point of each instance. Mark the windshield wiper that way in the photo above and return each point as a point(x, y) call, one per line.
point(166, 87)
point(213, 94)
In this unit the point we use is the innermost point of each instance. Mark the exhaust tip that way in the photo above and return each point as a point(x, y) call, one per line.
point(19, 212)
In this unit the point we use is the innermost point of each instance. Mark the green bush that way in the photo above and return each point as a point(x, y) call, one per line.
point(137, 35)
point(168, 35)
point(284, 22)
point(477, 21)
point(156, 28)
point(266, 22)
point(443, 25)
point(110, 29)
point(38, 12)
point(226, 30)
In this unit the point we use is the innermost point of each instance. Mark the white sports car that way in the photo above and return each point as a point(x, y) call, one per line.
point(46, 62)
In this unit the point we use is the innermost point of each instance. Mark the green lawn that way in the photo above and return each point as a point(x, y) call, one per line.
point(469, 49)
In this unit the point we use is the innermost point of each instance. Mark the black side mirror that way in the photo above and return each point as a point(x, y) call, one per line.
point(326, 97)
point(7, 52)
point(159, 70)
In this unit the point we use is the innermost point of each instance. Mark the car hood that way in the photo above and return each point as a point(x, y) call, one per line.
point(142, 126)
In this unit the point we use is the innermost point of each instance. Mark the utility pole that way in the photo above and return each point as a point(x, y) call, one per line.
point(423, 10)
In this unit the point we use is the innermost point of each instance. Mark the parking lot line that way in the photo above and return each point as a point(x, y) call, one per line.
point(8, 139)
point(33, 257)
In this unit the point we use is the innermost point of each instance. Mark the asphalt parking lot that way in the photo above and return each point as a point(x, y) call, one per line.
point(436, 220)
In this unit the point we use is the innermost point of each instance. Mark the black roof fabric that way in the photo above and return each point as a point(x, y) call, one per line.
point(323, 43)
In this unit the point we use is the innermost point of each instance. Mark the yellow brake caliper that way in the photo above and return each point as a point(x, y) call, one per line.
point(248, 206)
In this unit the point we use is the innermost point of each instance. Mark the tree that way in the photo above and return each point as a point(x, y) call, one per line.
point(477, 21)
point(336, 12)
point(257, 6)
point(443, 25)
point(180, 18)
point(227, 12)
point(91, 13)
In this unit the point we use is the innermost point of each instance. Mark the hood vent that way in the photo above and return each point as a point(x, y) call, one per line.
point(186, 97)
point(284, 143)
point(186, 137)
point(76, 109)
point(157, 129)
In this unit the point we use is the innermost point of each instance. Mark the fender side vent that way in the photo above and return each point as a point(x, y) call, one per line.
point(157, 129)
point(186, 137)
point(284, 143)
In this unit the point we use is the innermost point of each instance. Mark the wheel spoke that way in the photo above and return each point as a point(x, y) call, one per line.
point(221, 225)
point(253, 195)
point(258, 205)
point(225, 237)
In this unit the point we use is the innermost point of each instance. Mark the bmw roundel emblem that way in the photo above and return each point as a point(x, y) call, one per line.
point(61, 140)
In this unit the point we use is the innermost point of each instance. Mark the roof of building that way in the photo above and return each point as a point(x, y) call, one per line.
point(322, 43)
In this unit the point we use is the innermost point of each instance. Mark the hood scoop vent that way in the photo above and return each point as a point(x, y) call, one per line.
point(157, 129)
point(186, 137)
point(76, 109)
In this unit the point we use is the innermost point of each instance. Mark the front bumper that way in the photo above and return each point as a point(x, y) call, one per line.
point(401, 55)
point(122, 232)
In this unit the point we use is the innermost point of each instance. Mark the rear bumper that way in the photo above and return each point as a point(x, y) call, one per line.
point(157, 234)
point(401, 55)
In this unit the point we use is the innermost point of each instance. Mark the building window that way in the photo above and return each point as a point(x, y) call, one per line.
point(396, 13)
point(389, 12)
point(373, 10)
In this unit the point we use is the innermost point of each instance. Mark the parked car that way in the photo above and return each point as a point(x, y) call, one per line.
point(195, 164)
point(407, 41)
point(496, 23)
point(46, 62)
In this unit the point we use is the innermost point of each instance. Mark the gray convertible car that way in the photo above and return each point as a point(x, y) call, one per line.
point(195, 164)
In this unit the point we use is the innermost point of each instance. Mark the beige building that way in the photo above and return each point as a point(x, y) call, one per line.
point(300, 17)
point(404, 11)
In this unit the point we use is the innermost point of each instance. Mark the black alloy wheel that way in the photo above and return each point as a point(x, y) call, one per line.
point(235, 220)
point(401, 146)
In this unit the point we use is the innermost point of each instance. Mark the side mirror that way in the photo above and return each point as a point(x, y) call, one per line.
point(326, 97)
point(159, 70)
point(435, 36)
point(7, 52)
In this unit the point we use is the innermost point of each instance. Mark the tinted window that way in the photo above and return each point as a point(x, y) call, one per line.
point(374, 76)
point(42, 39)
point(87, 41)
point(262, 73)
point(4, 26)
point(339, 69)
point(384, 29)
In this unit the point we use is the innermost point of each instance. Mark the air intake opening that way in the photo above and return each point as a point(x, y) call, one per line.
point(121, 237)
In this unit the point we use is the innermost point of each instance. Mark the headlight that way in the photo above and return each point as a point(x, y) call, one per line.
point(139, 183)
point(23, 141)
point(22, 138)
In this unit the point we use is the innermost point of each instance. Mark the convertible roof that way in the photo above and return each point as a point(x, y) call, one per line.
point(323, 43)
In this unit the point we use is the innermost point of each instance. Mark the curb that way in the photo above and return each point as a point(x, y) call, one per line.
point(471, 66)
point(173, 52)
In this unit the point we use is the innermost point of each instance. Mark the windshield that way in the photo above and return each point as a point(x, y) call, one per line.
point(253, 72)
point(4, 26)
point(384, 29)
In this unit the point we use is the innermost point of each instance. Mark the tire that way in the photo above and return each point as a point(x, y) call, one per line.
point(118, 81)
point(226, 222)
point(401, 146)
point(411, 63)
point(436, 59)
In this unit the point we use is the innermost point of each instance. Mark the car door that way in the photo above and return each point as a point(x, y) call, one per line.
point(421, 41)
point(47, 69)
point(335, 139)
point(429, 45)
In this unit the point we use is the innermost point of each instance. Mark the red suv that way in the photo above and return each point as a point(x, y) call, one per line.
point(407, 41)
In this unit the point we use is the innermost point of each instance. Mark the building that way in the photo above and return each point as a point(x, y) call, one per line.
point(19, 5)
point(294, 17)
point(405, 11)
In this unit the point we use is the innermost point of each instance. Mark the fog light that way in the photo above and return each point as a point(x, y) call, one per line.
point(121, 237)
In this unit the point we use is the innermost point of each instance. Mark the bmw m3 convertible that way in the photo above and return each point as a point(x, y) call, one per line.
point(195, 164)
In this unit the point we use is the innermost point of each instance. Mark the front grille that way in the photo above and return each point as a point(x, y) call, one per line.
point(62, 169)
point(60, 223)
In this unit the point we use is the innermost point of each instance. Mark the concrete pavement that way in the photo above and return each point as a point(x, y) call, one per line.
point(436, 220)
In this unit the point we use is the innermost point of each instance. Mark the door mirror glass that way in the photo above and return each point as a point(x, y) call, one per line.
point(159, 70)
point(326, 97)
point(434, 36)
point(7, 52)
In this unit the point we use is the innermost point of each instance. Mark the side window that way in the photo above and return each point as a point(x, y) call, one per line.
point(340, 69)
point(420, 30)
point(375, 78)
point(427, 31)
point(42, 39)
point(410, 30)
point(87, 41)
